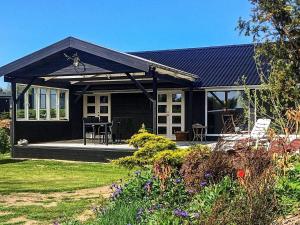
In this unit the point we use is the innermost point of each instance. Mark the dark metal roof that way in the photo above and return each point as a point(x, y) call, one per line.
point(215, 66)
point(51, 61)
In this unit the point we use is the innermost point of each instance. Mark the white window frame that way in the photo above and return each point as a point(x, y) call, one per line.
point(37, 101)
point(223, 89)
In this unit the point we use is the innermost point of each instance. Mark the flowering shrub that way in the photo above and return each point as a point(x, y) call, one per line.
point(200, 168)
point(199, 186)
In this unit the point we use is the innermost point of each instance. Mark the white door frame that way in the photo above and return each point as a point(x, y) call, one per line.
point(169, 114)
point(97, 105)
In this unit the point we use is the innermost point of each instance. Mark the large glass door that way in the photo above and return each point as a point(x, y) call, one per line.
point(170, 113)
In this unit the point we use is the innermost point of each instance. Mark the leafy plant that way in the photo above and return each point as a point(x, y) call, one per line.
point(4, 115)
point(149, 144)
point(201, 168)
point(274, 28)
point(4, 141)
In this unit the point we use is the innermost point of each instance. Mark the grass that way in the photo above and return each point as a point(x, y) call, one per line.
point(65, 210)
point(18, 177)
point(46, 176)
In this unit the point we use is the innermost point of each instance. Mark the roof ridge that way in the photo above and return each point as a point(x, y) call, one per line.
point(193, 48)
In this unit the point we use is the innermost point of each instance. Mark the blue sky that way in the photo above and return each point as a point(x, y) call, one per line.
point(125, 25)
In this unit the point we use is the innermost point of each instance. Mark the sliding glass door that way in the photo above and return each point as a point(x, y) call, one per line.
point(225, 112)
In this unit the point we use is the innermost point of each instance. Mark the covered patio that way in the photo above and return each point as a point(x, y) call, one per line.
point(54, 88)
point(91, 152)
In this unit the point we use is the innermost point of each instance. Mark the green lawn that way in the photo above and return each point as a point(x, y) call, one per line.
point(51, 176)
point(55, 182)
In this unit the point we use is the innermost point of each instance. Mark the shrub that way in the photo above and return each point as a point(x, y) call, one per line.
point(152, 147)
point(201, 168)
point(173, 158)
point(4, 115)
point(4, 141)
point(150, 144)
point(5, 124)
point(138, 140)
point(254, 203)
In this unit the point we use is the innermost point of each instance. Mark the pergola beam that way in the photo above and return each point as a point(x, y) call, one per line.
point(85, 89)
point(140, 86)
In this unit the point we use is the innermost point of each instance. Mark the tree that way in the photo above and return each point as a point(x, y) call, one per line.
point(275, 29)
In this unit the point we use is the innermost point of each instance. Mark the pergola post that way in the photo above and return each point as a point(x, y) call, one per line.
point(13, 117)
point(154, 102)
point(190, 113)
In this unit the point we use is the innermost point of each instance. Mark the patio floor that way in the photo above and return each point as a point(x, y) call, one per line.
point(116, 146)
point(76, 151)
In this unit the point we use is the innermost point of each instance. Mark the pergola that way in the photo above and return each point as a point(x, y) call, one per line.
point(72, 62)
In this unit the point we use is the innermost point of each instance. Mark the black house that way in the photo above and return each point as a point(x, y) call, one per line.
point(54, 88)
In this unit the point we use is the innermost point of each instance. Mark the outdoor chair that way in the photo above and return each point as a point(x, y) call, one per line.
point(198, 132)
point(91, 129)
point(257, 135)
point(101, 132)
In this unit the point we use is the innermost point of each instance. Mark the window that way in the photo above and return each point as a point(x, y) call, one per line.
point(63, 105)
point(32, 106)
point(21, 103)
point(53, 104)
point(42, 103)
point(225, 114)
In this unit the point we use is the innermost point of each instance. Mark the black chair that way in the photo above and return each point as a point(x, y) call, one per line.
point(91, 128)
point(101, 132)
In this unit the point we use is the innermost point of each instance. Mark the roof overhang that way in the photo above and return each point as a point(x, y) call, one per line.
point(102, 64)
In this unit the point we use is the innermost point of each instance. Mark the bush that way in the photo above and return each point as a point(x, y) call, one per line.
point(254, 203)
point(4, 141)
point(173, 158)
point(152, 147)
point(4, 115)
point(200, 168)
point(5, 124)
point(149, 144)
point(138, 140)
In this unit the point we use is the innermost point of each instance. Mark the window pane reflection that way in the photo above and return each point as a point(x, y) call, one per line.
point(225, 113)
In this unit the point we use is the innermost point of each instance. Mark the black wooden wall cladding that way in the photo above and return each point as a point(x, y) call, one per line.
point(131, 110)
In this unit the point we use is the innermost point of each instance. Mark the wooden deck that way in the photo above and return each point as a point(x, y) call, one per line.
point(75, 150)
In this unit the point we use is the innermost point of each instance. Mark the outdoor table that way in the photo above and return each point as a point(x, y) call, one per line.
point(105, 124)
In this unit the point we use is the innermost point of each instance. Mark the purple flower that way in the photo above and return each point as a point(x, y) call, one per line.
point(147, 185)
point(117, 190)
point(55, 223)
point(137, 173)
point(190, 191)
point(178, 180)
point(208, 175)
point(203, 183)
point(181, 213)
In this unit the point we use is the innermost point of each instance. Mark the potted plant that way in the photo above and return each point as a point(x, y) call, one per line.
point(181, 135)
